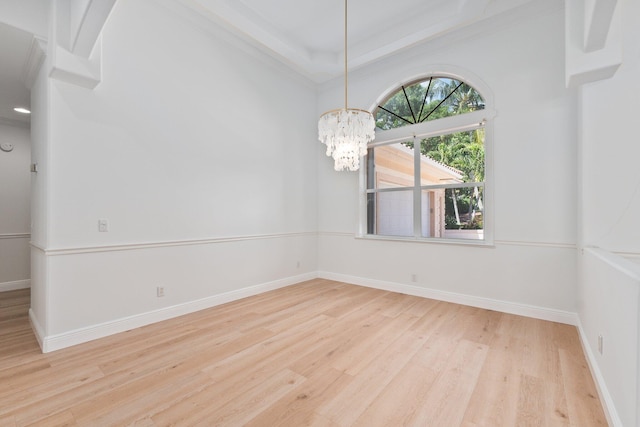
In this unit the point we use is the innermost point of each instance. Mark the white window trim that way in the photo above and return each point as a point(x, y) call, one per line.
point(427, 129)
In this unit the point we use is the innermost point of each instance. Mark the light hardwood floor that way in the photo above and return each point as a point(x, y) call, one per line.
point(318, 353)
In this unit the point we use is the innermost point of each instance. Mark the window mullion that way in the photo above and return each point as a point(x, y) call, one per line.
point(417, 192)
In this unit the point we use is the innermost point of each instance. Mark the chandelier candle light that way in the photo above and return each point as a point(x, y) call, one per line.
point(346, 131)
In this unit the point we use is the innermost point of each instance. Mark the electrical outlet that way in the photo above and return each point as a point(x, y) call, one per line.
point(298, 264)
point(414, 277)
point(600, 343)
point(103, 225)
point(160, 291)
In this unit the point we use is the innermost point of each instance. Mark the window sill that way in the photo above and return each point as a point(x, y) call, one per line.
point(486, 243)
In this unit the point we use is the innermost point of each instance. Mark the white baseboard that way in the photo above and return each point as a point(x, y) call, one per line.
point(90, 333)
point(605, 397)
point(473, 301)
point(78, 336)
point(13, 286)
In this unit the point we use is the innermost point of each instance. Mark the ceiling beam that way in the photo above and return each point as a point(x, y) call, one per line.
point(86, 19)
point(598, 21)
point(601, 34)
point(75, 45)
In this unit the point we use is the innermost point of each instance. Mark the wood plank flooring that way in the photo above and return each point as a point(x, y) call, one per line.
point(319, 353)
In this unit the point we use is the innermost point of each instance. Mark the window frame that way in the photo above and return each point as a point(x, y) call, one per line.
point(459, 123)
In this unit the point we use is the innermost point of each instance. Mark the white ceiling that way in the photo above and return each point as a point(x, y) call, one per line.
point(307, 35)
point(14, 48)
point(19, 21)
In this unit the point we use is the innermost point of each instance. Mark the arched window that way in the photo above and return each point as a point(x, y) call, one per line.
point(437, 191)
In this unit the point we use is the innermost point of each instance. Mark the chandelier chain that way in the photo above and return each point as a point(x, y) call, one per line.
point(346, 68)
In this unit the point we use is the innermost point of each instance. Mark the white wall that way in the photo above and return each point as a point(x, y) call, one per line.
point(611, 149)
point(14, 208)
point(610, 307)
point(198, 151)
point(608, 218)
point(534, 172)
point(40, 217)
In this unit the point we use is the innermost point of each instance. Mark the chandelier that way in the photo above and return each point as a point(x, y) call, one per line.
point(346, 131)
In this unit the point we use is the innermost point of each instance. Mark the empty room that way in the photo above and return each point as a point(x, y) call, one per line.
point(292, 213)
